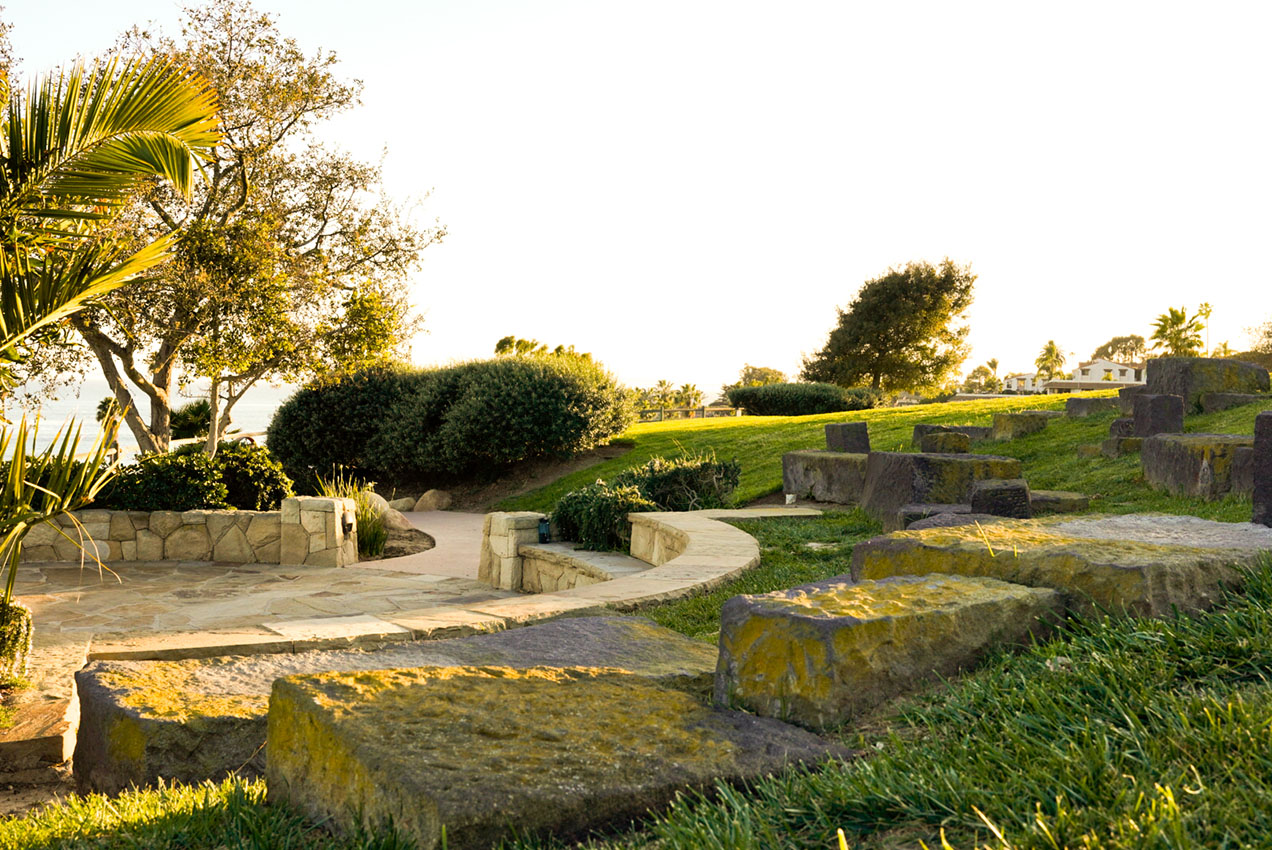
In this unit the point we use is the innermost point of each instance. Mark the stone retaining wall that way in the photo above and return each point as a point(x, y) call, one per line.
point(306, 532)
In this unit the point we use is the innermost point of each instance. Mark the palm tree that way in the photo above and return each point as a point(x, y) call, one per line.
point(1176, 334)
point(689, 396)
point(1203, 312)
point(992, 363)
point(664, 393)
point(73, 151)
point(1050, 361)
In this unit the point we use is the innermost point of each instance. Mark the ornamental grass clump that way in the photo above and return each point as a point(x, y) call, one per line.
point(372, 532)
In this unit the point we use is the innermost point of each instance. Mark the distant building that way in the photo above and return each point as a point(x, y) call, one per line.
point(1022, 382)
point(1091, 375)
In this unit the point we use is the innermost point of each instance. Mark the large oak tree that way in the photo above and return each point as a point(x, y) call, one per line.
point(901, 332)
point(290, 260)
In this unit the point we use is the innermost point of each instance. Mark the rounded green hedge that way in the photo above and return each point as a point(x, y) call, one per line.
point(802, 399)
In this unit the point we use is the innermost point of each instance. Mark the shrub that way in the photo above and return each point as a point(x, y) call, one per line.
point(167, 482)
point(492, 413)
point(595, 516)
point(328, 425)
point(685, 483)
point(191, 420)
point(253, 479)
point(372, 533)
point(802, 399)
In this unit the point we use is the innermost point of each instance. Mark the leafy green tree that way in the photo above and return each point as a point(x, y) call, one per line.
point(1176, 334)
point(1204, 311)
point(1122, 349)
point(982, 380)
point(1050, 362)
point(290, 262)
point(689, 396)
point(74, 148)
point(755, 376)
point(899, 333)
point(664, 393)
point(513, 346)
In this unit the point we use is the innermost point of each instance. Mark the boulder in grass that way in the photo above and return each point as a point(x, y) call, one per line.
point(908, 515)
point(824, 476)
point(406, 504)
point(820, 654)
point(433, 500)
point(1057, 502)
point(1215, 402)
point(1158, 414)
point(1080, 407)
point(850, 437)
point(1089, 450)
point(946, 442)
point(952, 519)
point(1006, 497)
point(1126, 398)
point(894, 479)
point(1196, 465)
point(1261, 473)
point(1119, 446)
point(1243, 471)
point(486, 752)
point(1191, 377)
point(1122, 427)
point(972, 432)
point(1009, 426)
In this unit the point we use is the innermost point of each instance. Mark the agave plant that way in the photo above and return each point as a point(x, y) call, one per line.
point(74, 149)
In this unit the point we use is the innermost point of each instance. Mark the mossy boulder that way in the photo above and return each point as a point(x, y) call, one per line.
point(486, 751)
point(1057, 502)
point(1079, 406)
point(823, 653)
point(1197, 465)
point(1215, 402)
point(1191, 377)
point(1009, 426)
point(826, 476)
point(205, 718)
point(894, 479)
point(1145, 565)
point(946, 442)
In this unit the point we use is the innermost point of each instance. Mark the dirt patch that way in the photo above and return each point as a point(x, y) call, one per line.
point(29, 790)
point(402, 542)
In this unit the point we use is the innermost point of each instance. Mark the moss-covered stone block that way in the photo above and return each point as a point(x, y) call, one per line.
point(826, 476)
point(1118, 446)
point(1191, 377)
point(1138, 564)
point(1079, 407)
point(486, 751)
point(894, 479)
point(1197, 465)
point(205, 718)
point(1009, 426)
point(946, 442)
point(1057, 502)
point(818, 655)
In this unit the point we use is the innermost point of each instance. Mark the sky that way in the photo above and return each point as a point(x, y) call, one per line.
point(685, 187)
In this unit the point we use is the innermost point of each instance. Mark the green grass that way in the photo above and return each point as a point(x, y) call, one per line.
point(1049, 458)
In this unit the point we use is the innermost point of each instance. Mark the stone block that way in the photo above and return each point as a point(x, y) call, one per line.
point(1080, 407)
point(1192, 377)
point(1118, 446)
point(1215, 402)
point(821, 654)
point(1140, 564)
point(188, 543)
point(1057, 502)
point(1126, 398)
point(220, 522)
point(128, 550)
point(121, 527)
point(1089, 450)
point(324, 558)
point(908, 515)
point(1262, 493)
point(1009, 426)
point(894, 479)
point(1197, 465)
point(1158, 414)
point(233, 547)
point(1123, 427)
point(824, 475)
point(264, 528)
point(946, 442)
point(952, 519)
point(433, 500)
point(851, 437)
point(320, 504)
point(94, 517)
point(164, 523)
point(42, 534)
point(314, 522)
point(294, 545)
point(1007, 497)
point(450, 746)
point(1243, 471)
point(271, 553)
point(289, 511)
point(149, 546)
point(972, 432)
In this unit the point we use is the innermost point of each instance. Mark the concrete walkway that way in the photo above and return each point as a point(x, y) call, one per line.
point(458, 539)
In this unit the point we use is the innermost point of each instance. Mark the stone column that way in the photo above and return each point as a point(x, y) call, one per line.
point(1263, 468)
point(318, 532)
point(502, 534)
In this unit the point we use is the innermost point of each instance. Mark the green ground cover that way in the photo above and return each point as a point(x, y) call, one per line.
point(1127, 734)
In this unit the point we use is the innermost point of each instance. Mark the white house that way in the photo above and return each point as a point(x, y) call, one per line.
point(1097, 375)
point(1022, 382)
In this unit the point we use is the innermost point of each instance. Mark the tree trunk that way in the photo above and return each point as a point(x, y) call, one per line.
point(214, 423)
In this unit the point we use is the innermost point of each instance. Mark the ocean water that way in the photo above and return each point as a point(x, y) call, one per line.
point(252, 413)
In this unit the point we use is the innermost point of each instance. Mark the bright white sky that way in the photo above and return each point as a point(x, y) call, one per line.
point(683, 187)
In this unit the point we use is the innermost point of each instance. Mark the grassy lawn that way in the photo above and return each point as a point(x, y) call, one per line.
point(1127, 734)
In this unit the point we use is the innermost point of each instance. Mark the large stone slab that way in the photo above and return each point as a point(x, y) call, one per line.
point(1191, 377)
point(484, 752)
point(1009, 426)
point(1118, 446)
point(1126, 398)
point(894, 479)
point(972, 432)
point(819, 654)
point(1197, 465)
point(1158, 414)
point(848, 437)
point(1057, 502)
point(1215, 402)
point(1262, 473)
point(826, 476)
point(1142, 564)
point(1006, 497)
point(945, 442)
point(1080, 407)
point(202, 719)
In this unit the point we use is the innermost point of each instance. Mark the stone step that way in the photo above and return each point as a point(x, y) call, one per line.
point(823, 653)
point(198, 719)
point(1202, 466)
point(1141, 564)
point(483, 752)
